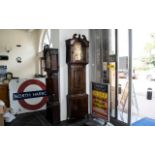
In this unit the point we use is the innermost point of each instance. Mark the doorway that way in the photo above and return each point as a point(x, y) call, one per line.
point(144, 74)
point(119, 77)
point(135, 75)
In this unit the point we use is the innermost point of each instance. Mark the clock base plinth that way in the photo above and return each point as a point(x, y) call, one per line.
point(53, 113)
point(77, 106)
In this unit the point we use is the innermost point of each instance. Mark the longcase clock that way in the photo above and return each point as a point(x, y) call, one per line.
point(52, 69)
point(77, 59)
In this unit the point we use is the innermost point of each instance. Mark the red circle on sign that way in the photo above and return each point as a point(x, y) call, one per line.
point(21, 89)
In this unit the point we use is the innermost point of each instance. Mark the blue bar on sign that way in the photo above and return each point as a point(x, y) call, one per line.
point(28, 95)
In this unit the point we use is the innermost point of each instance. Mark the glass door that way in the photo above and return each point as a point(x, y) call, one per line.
point(123, 75)
point(119, 74)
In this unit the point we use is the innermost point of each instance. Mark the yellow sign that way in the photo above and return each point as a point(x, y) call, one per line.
point(111, 66)
point(100, 100)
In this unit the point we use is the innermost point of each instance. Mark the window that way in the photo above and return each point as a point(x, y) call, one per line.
point(47, 39)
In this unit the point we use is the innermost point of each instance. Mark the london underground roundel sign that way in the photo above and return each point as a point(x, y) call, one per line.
point(22, 95)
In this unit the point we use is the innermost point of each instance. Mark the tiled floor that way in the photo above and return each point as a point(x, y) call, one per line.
point(31, 119)
point(39, 119)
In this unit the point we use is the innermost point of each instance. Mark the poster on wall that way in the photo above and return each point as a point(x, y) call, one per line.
point(100, 101)
point(27, 95)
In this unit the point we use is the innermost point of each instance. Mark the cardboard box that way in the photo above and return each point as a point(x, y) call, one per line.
point(1, 116)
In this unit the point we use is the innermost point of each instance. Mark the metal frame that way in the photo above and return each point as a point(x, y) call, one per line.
point(116, 77)
point(109, 107)
point(115, 120)
point(130, 76)
point(91, 70)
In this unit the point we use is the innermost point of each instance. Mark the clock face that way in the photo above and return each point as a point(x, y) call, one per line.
point(77, 53)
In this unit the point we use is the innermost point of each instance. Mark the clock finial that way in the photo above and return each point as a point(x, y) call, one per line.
point(84, 37)
point(74, 35)
point(79, 36)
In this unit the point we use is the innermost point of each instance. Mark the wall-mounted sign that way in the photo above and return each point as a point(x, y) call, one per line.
point(100, 101)
point(27, 95)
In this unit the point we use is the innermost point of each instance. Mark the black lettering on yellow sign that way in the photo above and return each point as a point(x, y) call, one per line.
point(101, 106)
point(100, 95)
point(100, 99)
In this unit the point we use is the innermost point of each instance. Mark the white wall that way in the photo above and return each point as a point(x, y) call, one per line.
point(65, 34)
point(29, 42)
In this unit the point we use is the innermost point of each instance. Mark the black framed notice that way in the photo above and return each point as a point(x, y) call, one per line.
point(101, 101)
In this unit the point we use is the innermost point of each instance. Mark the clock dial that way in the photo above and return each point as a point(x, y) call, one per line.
point(77, 53)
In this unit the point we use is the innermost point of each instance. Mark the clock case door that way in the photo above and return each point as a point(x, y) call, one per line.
point(76, 79)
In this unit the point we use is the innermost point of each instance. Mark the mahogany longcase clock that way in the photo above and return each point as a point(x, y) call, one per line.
point(52, 69)
point(77, 59)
